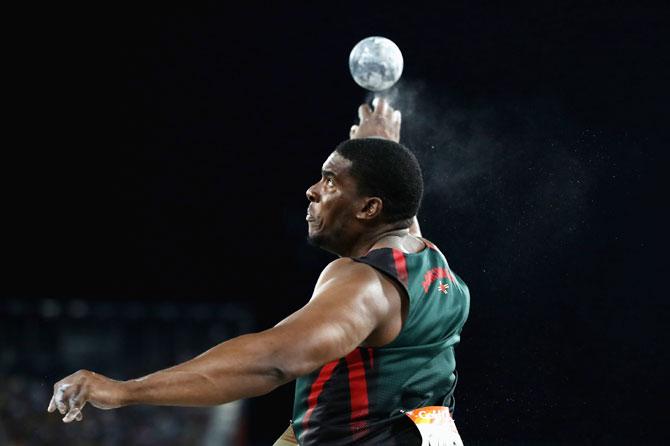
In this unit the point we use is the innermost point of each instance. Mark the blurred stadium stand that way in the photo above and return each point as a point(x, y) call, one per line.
point(44, 340)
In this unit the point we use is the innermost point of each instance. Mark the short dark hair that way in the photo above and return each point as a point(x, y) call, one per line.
point(387, 170)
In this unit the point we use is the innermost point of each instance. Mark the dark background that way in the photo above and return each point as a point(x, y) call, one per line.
point(165, 157)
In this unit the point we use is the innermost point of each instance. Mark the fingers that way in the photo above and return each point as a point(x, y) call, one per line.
point(69, 399)
point(381, 109)
point(364, 112)
point(72, 415)
point(396, 121)
point(381, 106)
point(396, 117)
point(59, 397)
point(77, 403)
point(381, 121)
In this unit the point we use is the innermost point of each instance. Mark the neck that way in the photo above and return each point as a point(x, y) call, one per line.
point(368, 240)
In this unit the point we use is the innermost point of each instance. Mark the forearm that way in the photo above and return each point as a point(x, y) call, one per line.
point(242, 367)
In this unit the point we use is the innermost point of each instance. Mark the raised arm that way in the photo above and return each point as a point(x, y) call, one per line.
point(414, 229)
point(382, 121)
point(350, 301)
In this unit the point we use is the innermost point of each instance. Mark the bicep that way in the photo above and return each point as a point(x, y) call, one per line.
point(348, 304)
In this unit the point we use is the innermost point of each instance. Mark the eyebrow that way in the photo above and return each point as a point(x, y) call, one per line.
point(327, 173)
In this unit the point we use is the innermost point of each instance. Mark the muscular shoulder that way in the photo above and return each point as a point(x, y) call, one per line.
point(358, 283)
point(351, 305)
point(367, 291)
point(346, 267)
point(349, 273)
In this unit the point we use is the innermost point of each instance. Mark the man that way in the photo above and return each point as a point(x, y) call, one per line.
point(375, 340)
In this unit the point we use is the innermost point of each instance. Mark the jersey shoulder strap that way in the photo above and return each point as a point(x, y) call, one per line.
point(389, 261)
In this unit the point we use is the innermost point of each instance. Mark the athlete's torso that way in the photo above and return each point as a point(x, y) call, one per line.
point(360, 399)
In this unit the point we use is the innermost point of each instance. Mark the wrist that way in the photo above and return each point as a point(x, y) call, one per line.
point(376, 136)
point(126, 390)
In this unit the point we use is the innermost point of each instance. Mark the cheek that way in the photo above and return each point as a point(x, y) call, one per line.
point(337, 206)
point(343, 211)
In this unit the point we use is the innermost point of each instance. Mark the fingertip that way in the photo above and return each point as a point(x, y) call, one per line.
point(71, 416)
point(364, 111)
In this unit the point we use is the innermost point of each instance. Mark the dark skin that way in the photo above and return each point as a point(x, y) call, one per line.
point(352, 305)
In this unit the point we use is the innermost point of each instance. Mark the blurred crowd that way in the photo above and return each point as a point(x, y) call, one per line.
point(42, 341)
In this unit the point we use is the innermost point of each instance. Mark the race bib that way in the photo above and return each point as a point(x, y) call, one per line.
point(436, 426)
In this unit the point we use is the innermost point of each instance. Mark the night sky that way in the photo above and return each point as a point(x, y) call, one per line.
point(166, 157)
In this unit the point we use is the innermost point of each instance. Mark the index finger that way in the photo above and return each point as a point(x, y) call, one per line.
point(52, 404)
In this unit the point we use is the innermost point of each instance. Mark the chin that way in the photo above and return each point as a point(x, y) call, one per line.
point(316, 240)
point(320, 241)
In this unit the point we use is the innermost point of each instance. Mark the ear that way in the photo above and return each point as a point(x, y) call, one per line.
point(371, 209)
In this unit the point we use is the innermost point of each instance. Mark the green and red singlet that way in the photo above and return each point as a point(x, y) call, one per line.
point(361, 398)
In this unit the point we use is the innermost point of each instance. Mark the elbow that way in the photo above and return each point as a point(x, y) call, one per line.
point(281, 375)
point(279, 368)
point(285, 371)
point(286, 361)
point(267, 381)
point(289, 366)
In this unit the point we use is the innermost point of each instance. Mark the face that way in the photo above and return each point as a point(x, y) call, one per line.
point(331, 215)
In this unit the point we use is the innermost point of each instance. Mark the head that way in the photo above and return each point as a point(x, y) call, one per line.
point(365, 184)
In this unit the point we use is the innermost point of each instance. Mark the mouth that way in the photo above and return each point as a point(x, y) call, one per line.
point(310, 217)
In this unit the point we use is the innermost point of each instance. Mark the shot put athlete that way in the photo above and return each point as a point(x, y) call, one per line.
point(373, 349)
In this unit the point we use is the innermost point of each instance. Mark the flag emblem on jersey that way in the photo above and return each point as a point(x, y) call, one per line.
point(434, 274)
point(443, 287)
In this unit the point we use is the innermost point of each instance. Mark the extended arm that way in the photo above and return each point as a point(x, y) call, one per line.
point(349, 302)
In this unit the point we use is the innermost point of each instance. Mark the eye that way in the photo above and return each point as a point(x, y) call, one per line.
point(330, 182)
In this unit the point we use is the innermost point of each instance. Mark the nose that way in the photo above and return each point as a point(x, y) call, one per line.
point(311, 193)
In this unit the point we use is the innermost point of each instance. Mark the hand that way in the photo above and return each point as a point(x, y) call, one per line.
point(382, 122)
point(72, 393)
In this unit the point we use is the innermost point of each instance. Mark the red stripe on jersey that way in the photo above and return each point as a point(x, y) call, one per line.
point(429, 244)
point(400, 265)
point(316, 389)
point(358, 389)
